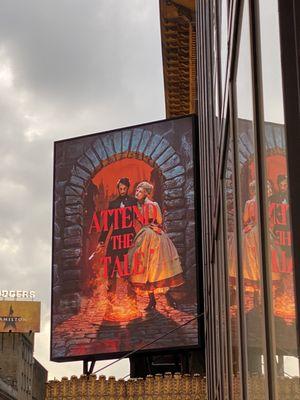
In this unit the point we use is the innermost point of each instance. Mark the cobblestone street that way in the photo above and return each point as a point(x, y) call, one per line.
point(93, 331)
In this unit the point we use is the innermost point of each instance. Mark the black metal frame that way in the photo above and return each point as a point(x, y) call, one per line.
point(240, 296)
point(211, 193)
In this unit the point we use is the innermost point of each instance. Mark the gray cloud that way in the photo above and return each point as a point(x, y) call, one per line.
point(75, 50)
point(66, 68)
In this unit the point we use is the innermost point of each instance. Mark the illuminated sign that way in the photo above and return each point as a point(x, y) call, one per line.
point(124, 241)
point(20, 316)
point(18, 294)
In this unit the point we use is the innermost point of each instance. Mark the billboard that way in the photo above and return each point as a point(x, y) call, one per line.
point(20, 316)
point(124, 241)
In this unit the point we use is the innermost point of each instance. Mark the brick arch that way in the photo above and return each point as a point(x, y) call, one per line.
point(106, 149)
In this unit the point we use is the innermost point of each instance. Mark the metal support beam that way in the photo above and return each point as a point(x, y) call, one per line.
point(88, 369)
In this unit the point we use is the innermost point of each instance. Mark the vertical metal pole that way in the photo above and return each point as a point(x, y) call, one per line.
point(258, 109)
point(289, 22)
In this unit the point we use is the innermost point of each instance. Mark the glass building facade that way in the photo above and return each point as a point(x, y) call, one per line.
point(247, 99)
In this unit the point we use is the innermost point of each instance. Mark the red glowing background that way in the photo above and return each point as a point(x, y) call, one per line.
point(136, 170)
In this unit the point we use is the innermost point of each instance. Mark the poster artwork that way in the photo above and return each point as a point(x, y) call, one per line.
point(20, 316)
point(124, 255)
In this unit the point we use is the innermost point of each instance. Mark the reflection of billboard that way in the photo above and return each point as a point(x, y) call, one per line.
point(279, 245)
point(124, 253)
point(20, 316)
point(279, 234)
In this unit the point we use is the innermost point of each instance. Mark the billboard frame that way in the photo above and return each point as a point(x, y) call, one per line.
point(198, 255)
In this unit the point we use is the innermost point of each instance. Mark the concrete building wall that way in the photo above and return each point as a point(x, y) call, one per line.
point(7, 392)
point(9, 356)
point(19, 371)
point(39, 379)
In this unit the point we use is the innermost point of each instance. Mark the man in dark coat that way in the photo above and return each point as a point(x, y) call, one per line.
point(116, 247)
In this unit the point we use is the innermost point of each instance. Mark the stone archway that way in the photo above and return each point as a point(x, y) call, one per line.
point(103, 150)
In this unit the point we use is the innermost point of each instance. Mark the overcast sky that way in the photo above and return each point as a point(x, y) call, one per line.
point(67, 67)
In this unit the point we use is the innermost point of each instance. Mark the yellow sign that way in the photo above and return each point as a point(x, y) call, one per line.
point(20, 316)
